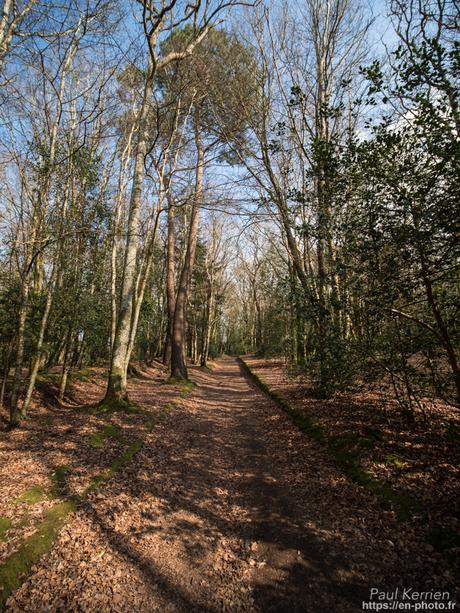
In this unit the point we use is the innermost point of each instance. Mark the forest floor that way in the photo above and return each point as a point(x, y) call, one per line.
point(203, 499)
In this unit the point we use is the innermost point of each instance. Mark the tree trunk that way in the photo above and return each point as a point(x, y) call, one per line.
point(170, 280)
point(38, 350)
point(6, 372)
point(65, 365)
point(178, 365)
point(115, 239)
point(207, 328)
point(14, 417)
point(116, 385)
point(140, 291)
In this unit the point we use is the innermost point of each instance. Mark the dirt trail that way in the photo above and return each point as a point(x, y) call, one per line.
point(227, 508)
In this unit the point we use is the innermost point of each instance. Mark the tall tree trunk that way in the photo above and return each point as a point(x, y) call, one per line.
point(6, 373)
point(14, 414)
point(65, 365)
point(115, 239)
point(140, 290)
point(170, 280)
point(116, 385)
point(178, 364)
point(208, 326)
point(38, 350)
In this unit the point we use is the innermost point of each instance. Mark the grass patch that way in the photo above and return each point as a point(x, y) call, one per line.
point(18, 565)
point(5, 524)
point(21, 561)
point(98, 439)
point(303, 423)
point(118, 463)
point(34, 494)
point(346, 451)
point(112, 405)
point(59, 478)
point(392, 460)
point(185, 386)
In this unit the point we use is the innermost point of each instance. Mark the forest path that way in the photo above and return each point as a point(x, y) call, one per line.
point(226, 508)
point(233, 486)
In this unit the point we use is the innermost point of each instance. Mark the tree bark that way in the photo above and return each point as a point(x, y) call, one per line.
point(170, 280)
point(14, 414)
point(178, 364)
point(116, 385)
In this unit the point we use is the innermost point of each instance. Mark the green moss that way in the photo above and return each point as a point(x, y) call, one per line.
point(392, 460)
point(34, 494)
point(95, 482)
point(24, 521)
point(99, 438)
point(60, 473)
point(365, 442)
point(118, 463)
point(346, 451)
point(99, 479)
point(84, 375)
point(52, 378)
point(122, 405)
point(59, 477)
point(5, 524)
point(303, 423)
point(126, 456)
point(14, 569)
point(18, 565)
point(185, 386)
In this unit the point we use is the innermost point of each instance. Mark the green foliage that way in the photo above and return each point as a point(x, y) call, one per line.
point(402, 225)
point(220, 74)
